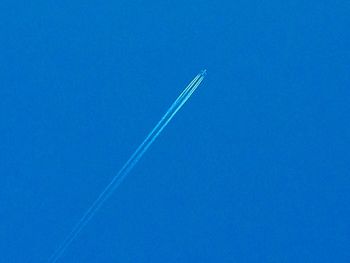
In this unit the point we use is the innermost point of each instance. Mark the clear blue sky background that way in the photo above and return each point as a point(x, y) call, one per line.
point(255, 168)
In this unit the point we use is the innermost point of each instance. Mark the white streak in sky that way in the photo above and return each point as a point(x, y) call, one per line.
point(135, 157)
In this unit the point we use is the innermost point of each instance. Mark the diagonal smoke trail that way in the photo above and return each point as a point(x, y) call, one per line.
point(135, 157)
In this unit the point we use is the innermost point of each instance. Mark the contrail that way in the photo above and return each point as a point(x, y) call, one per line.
point(123, 172)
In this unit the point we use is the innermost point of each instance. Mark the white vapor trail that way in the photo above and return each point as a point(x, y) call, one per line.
point(123, 172)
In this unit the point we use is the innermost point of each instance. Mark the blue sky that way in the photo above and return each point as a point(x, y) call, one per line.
point(255, 168)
